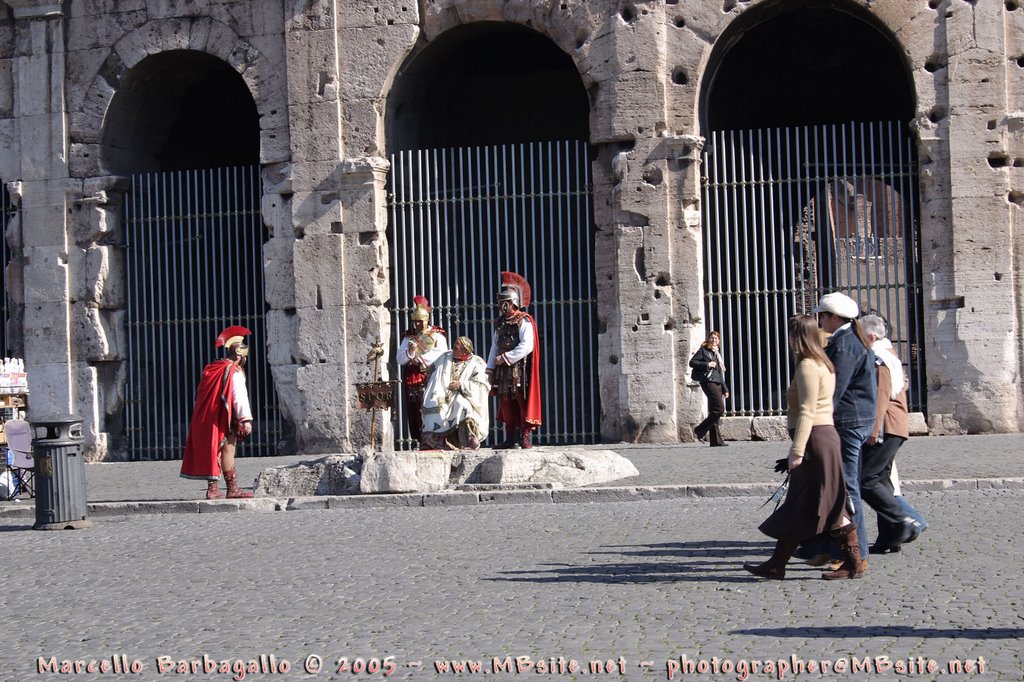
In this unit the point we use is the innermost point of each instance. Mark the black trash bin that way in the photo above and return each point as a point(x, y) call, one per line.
point(59, 473)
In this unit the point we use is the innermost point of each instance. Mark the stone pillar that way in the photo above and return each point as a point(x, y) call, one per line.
point(634, 257)
point(304, 259)
point(40, 112)
point(973, 382)
point(367, 290)
point(690, 328)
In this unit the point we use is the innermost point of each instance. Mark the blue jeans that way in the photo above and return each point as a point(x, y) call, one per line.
point(912, 512)
point(852, 441)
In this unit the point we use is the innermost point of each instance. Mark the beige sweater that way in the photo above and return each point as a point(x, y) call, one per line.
point(808, 402)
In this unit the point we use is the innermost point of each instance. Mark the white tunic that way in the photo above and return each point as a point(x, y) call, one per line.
point(443, 409)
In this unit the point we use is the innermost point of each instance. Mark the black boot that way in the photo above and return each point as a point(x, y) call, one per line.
point(511, 440)
point(775, 567)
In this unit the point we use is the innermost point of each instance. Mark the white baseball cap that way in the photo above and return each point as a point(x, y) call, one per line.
point(838, 304)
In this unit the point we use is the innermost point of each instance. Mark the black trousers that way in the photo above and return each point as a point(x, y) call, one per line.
point(875, 488)
point(716, 408)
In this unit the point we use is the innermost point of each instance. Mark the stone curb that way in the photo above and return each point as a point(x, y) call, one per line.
point(26, 509)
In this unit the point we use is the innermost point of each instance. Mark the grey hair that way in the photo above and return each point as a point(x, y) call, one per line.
point(466, 343)
point(873, 324)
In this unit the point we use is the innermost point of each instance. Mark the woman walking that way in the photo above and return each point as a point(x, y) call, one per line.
point(709, 370)
point(815, 502)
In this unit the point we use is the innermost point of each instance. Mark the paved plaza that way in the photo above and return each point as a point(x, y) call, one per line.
point(641, 590)
point(632, 582)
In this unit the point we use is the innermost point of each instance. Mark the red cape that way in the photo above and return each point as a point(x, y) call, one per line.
point(211, 421)
point(533, 395)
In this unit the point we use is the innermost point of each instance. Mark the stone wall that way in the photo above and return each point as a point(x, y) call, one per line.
point(320, 72)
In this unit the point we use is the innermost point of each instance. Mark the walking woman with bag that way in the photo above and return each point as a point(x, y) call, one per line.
point(709, 370)
point(815, 502)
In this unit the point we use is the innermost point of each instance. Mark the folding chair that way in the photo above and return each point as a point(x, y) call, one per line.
point(19, 441)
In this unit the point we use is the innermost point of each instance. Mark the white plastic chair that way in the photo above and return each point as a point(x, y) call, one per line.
point(19, 441)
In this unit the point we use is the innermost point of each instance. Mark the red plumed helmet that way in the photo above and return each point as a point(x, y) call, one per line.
point(230, 333)
point(518, 284)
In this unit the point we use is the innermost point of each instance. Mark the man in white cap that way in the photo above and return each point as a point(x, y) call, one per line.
point(853, 411)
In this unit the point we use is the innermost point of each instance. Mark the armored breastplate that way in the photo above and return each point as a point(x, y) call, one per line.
point(510, 379)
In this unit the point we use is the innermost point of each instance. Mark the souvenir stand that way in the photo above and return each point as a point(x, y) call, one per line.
point(16, 466)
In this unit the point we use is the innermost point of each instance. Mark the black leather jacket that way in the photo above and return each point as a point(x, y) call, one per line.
point(704, 374)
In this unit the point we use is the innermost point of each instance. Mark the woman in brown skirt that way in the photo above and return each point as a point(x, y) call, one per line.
point(815, 503)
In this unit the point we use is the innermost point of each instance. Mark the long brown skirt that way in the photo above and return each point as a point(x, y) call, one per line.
point(816, 498)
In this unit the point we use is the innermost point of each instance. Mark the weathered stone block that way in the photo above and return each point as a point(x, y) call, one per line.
point(331, 475)
point(735, 428)
point(279, 272)
point(944, 425)
point(769, 428)
point(368, 57)
point(571, 467)
point(360, 14)
point(313, 136)
point(403, 472)
point(918, 425)
point(318, 284)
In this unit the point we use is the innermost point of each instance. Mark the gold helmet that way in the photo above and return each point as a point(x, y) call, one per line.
point(421, 308)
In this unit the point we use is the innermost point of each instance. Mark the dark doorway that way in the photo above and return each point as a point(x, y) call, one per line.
point(180, 110)
point(792, 64)
point(487, 83)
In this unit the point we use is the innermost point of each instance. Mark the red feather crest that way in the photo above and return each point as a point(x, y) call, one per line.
point(420, 299)
point(236, 330)
point(517, 281)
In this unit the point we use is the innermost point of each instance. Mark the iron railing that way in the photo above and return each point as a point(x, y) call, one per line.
point(460, 216)
point(194, 266)
point(794, 213)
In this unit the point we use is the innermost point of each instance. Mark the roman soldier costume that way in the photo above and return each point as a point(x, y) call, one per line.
point(421, 346)
point(219, 415)
point(514, 361)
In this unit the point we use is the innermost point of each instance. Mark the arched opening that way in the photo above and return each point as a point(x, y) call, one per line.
point(185, 128)
point(180, 110)
point(488, 127)
point(810, 186)
point(487, 83)
point(793, 64)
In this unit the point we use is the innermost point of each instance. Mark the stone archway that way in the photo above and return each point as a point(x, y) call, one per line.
point(494, 116)
point(174, 97)
point(810, 186)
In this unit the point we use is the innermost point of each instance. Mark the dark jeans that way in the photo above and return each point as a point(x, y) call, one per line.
point(875, 488)
point(716, 408)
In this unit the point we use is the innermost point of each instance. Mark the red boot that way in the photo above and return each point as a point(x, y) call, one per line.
point(234, 492)
point(213, 491)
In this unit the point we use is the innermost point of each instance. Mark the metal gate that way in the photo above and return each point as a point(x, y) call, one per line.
point(194, 266)
point(7, 212)
point(458, 217)
point(794, 213)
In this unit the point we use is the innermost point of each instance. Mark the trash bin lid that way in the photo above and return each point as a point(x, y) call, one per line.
point(57, 419)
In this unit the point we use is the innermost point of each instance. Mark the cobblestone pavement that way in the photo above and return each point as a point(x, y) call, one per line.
point(638, 581)
point(921, 458)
